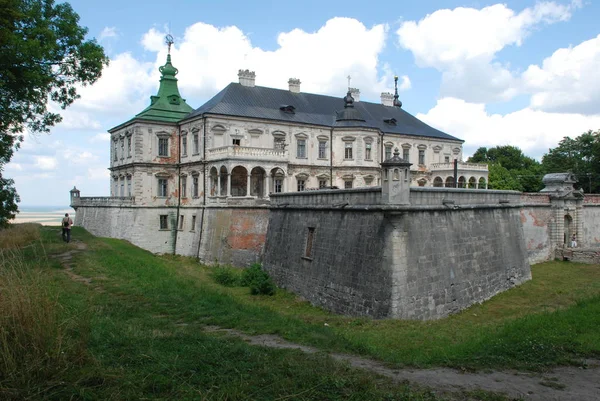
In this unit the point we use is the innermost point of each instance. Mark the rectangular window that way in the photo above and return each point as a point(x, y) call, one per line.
point(184, 145)
point(195, 186)
point(195, 144)
point(388, 152)
point(301, 150)
point(122, 192)
point(310, 238)
point(406, 154)
point(301, 184)
point(163, 187)
point(115, 151)
point(129, 146)
point(322, 150)
point(164, 222)
point(278, 186)
point(446, 159)
point(367, 151)
point(122, 148)
point(348, 150)
point(181, 222)
point(163, 146)
point(237, 142)
point(421, 156)
point(184, 187)
point(129, 186)
point(348, 184)
point(193, 223)
point(322, 184)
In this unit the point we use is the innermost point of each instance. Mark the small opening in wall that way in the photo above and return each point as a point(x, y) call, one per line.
point(181, 222)
point(310, 237)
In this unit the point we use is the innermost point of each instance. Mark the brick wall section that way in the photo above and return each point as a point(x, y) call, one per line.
point(234, 235)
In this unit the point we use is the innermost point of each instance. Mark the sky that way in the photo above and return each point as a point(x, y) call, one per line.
point(521, 73)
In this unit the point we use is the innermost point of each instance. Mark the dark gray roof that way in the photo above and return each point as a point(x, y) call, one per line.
point(266, 103)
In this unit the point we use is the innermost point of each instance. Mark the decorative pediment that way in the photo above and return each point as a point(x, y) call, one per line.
point(162, 174)
point(368, 139)
point(323, 176)
point(255, 132)
point(279, 134)
point(421, 147)
point(437, 148)
point(389, 144)
point(163, 134)
point(323, 138)
point(302, 176)
point(456, 151)
point(349, 139)
point(301, 135)
point(218, 129)
point(348, 177)
point(406, 146)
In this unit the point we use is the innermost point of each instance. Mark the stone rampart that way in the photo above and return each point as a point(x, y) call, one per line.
point(415, 261)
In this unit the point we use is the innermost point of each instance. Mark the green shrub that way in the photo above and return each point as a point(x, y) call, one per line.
point(225, 276)
point(258, 280)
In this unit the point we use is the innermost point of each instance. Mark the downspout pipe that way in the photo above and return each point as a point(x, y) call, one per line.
point(331, 158)
point(203, 188)
point(176, 228)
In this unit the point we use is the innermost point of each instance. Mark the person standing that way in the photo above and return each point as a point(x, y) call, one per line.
point(67, 222)
point(573, 241)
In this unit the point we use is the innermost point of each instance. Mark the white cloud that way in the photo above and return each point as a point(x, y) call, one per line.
point(98, 173)
point(108, 32)
point(100, 137)
point(405, 84)
point(46, 163)
point(321, 59)
point(462, 44)
point(533, 131)
point(569, 80)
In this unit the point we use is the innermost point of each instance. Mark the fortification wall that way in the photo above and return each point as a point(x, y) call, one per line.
point(225, 235)
point(343, 271)
point(233, 235)
point(591, 214)
point(419, 262)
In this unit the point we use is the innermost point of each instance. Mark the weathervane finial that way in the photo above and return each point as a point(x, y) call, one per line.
point(169, 41)
point(349, 78)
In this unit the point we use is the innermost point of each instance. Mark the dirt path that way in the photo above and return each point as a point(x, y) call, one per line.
point(561, 384)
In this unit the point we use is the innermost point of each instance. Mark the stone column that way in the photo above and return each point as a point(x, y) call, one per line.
point(228, 185)
point(284, 184)
point(248, 179)
point(267, 179)
point(219, 184)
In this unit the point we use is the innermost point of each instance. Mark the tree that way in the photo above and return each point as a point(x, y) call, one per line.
point(44, 57)
point(581, 156)
point(509, 168)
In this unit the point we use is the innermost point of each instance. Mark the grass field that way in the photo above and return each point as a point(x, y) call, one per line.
point(136, 331)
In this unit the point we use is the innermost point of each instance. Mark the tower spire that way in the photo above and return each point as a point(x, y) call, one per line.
point(397, 102)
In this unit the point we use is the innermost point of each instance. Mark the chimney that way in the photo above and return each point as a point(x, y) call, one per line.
point(355, 93)
point(246, 78)
point(294, 85)
point(387, 99)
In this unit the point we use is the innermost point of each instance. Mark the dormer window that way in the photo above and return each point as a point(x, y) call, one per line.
point(287, 108)
point(174, 99)
point(390, 121)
